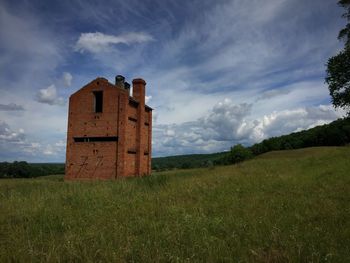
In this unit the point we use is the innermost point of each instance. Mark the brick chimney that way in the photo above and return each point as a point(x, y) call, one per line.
point(139, 90)
point(138, 86)
point(127, 87)
point(119, 81)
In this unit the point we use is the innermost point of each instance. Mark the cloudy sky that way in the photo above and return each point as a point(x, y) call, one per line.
point(218, 72)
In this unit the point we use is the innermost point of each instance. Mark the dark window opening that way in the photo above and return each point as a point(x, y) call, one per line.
point(132, 119)
point(146, 123)
point(96, 139)
point(98, 101)
point(133, 103)
point(132, 151)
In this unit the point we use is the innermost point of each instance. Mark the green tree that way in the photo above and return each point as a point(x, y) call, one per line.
point(239, 153)
point(338, 67)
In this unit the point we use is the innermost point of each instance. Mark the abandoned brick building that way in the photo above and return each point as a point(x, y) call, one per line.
point(109, 131)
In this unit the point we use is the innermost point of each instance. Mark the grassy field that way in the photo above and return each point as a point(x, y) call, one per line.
point(290, 206)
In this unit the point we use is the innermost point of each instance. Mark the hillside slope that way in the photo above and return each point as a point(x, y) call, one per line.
point(289, 206)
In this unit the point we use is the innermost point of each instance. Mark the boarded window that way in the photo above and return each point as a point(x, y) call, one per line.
point(98, 95)
point(96, 139)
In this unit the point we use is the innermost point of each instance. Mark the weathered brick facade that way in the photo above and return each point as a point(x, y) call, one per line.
point(109, 132)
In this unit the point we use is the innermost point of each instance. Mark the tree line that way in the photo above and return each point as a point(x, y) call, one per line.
point(29, 170)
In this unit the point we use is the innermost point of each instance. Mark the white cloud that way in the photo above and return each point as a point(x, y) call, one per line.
point(99, 42)
point(9, 135)
point(48, 150)
point(227, 124)
point(60, 143)
point(58, 148)
point(148, 98)
point(224, 121)
point(67, 79)
point(49, 96)
point(15, 145)
point(287, 121)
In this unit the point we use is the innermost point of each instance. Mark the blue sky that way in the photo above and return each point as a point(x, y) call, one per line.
point(218, 72)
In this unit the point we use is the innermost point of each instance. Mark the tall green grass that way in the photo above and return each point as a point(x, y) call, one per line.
point(290, 206)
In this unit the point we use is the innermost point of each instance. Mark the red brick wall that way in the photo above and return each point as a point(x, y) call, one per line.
point(92, 160)
point(149, 142)
point(120, 118)
point(130, 141)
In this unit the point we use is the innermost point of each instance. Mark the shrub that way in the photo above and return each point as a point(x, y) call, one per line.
point(239, 153)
